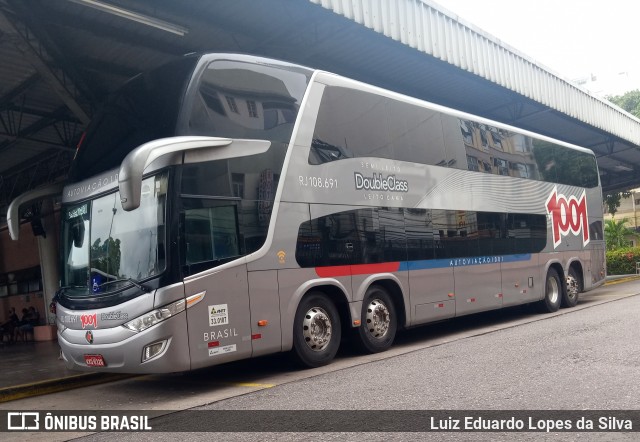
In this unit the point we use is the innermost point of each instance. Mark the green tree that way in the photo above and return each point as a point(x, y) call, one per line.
point(629, 101)
point(616, 232)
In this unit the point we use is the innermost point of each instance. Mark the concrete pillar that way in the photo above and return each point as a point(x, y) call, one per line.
point(48, 250)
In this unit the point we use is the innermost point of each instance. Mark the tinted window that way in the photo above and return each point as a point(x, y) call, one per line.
point(329, 240)
point(353, 124)
point(497, 151)
point(416, 134)
point(215, 231)
point(595, 231)
point(422, 238)
point(360, 236)
point(565, 166)
point(526, 232)
point(249, 182)
point(350, 124)
point(391, 237)
point(457, 231)
point(245, 100)
point(253, 177)
point(376, 235)
point(501, 152)
point(492, 234)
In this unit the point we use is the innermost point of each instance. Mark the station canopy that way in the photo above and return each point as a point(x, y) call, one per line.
point(60, 60)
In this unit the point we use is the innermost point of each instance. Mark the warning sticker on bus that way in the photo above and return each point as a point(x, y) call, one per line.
point(218, 315)
point(222, 350)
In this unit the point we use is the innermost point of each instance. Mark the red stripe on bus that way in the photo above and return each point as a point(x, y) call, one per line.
point(360, 269)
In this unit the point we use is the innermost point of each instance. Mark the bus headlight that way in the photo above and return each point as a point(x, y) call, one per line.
point(153, 317)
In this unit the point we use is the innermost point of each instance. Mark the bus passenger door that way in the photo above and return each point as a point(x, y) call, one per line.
point(219, 328)
point(218, 325)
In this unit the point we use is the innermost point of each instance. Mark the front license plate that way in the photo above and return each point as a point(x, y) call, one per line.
point(94, 360)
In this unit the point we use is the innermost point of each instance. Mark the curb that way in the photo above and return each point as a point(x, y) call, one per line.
point(625, 278)
point(39, 388)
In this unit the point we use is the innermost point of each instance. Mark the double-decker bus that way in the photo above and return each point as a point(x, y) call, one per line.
point(228, 206)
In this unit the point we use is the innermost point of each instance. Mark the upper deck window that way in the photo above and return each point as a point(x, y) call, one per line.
point(353, 124)
point(237, 99)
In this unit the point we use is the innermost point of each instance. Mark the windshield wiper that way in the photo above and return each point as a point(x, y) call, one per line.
point(139, 286)
point(63, 290)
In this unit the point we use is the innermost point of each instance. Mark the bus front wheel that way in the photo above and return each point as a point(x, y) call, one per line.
point(552, 292)
point(379, 322)
point(316, 331)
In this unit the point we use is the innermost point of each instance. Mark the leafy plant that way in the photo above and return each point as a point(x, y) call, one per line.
point(622, 261)
point(616, 232)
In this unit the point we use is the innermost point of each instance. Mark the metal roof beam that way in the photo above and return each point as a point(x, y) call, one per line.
point(41, 144)
point(30, 174)
point(24, 39)
point(114, 33)
point(18, 90)
point(38, 113)
point(89, 64)
point(34, 128)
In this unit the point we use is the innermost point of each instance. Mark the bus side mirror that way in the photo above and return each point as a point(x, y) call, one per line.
point(13, 212)
point(134, 164)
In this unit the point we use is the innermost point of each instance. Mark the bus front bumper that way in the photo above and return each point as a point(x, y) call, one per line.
point(163, 348)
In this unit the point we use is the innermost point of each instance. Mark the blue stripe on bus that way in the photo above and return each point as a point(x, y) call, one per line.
point(462, 262)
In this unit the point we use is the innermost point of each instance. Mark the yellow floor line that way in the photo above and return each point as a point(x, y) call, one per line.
point(56, 385)
point(45, 382)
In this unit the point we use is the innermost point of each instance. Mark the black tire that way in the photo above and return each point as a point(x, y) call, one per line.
point(552, 293)
point(379, 322)
point(573, 288)
point(316, 320)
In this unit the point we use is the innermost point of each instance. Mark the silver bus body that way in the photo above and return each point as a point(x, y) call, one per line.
point(435, 239)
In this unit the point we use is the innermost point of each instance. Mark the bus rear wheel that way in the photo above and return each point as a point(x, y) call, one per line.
point(574, 287)
point(316, 331)
point(379, 322)
point(552, 292)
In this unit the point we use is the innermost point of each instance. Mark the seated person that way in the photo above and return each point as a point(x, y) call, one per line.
point(35, 316)
point(8, 327)
point(25, 325)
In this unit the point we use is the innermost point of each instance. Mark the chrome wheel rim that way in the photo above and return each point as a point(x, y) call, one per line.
point(553, 291)
point(572, 287)
point(316, 329)
point(377, 319)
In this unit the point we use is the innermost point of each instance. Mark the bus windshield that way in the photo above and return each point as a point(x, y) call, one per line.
point(104, 246)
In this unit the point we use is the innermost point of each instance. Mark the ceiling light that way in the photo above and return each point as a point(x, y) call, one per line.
point(134, 16)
